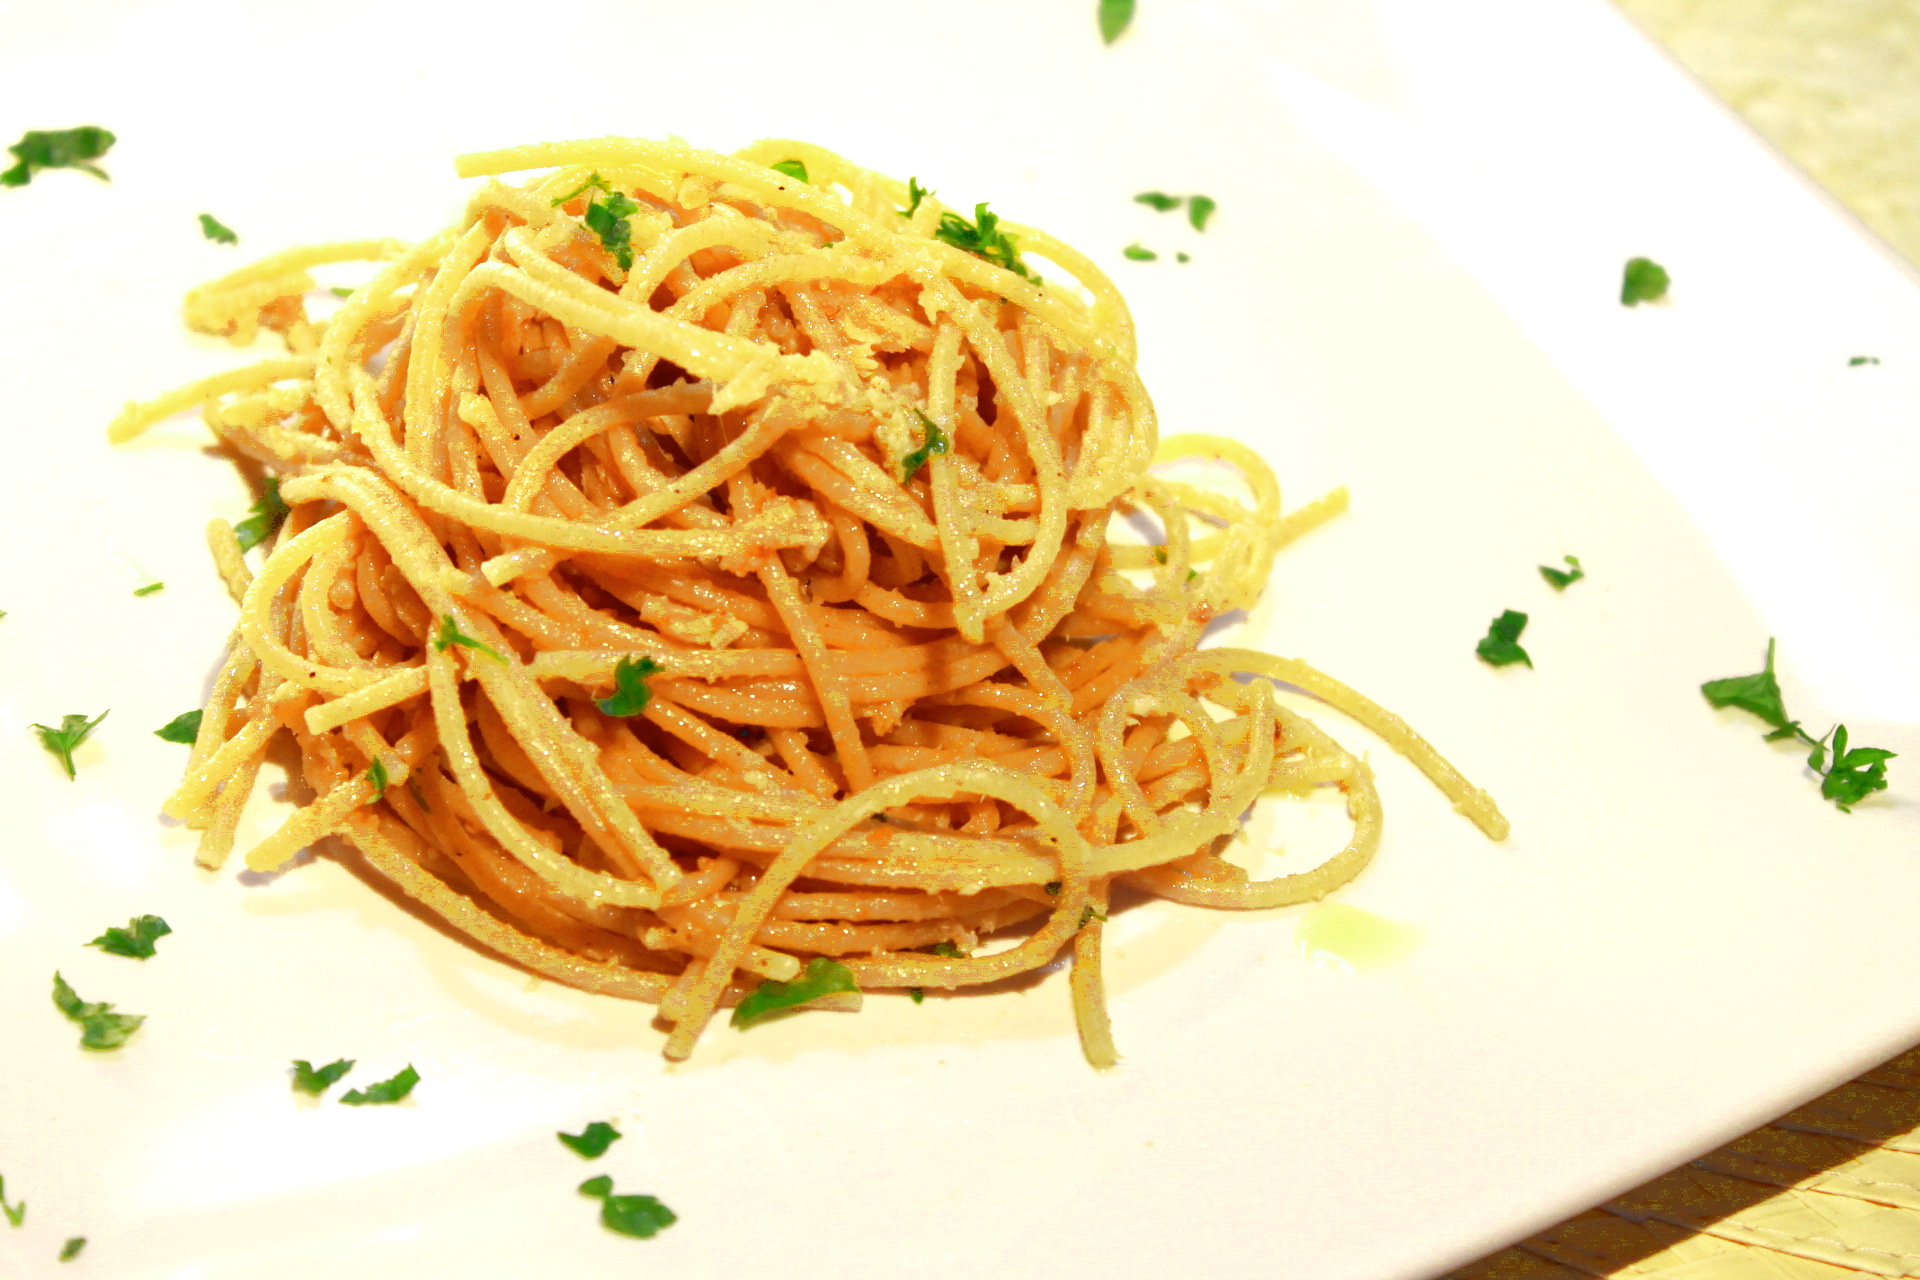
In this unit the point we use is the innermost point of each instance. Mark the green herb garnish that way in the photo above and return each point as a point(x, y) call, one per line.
point(136, 940)
point(1114, 17)
point(919, 994)
point(1139, 253)
point(268, 511)
point(213, 229)
point(823, 977)
point(796, 169)
point(984, 239)
point(100, 1026)
point(947, 949)
point(71, 1249)
point(149, 589)
point(915, 194)
point(1561, 579)
point(451, 634)
point(641, 1216)
point(1500, 647)
point(1643, 281)
point(591, 1141)
point(183, 728)
point(386, 1091)
point(932, 440)
point(1159, 200)
point(342, 291)
point(1091, 915)
point(72, 732)
point(377, 775)
point(1181, 257)
point(631, 693)
point(57, 149)
point(608, 219)
point(1847, 775)
point(1052, 886)
point(1857, 361)
point(308, 1078)
point(1199, 209)
point(16, 1213)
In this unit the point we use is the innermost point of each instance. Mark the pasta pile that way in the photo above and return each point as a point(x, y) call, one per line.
point(693, 569)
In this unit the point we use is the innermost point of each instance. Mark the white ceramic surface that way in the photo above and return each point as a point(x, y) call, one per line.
point(1410, 288)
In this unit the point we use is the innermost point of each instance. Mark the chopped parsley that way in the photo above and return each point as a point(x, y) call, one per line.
point(377, 775)
point(591, 1141)
point(310, 1079)
point(100, 1026)
point(57, 149)
point(823, 977)
point(1857, 361)
point(1561, 579)
point(16, 1213)
point(919, 994)
point(387, 1091)
point(631, 693)
point(1199, 209)
point(796, 169)
point(608, 219)
point(915, 194)
point(1052, 886)
point(1847, 775)
point(136, 940)
point(984, 239)
point(268, 511)
point(1114, 17)
point(1500, 647)
point(1643, 281)
point(183, 728)
point(1159, 200)
point(1091, 915)
point(342, 291)
point(1139, 253)
point(72, 732)
point(932, 440)
point(149, 589)
point(213, 229)
point(71, 1249)
point(641, 1216)
point(1181, 257)
point(451, 634)
point(947, 949)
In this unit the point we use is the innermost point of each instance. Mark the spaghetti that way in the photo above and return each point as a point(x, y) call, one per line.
point(846, 487)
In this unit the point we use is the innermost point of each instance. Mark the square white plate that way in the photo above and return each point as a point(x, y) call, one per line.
point(1410, 288)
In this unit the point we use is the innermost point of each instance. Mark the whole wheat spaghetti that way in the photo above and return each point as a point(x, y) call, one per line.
point(694, 569)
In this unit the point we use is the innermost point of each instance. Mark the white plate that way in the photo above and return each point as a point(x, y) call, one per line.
point(1410, 288)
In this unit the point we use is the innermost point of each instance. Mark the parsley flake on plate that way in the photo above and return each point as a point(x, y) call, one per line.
point(268, 511)
point(1857, 361)
point(71, 1249)
point(451, 634)
point(1644, 280)
point(308, 1078)
point(136, 940)
point(215, 230)
point(149, 589)
point(918, 994)
point(61, 742)
point(592, 1141)
point(641, 1216)
point(932, 440)
point(1561, 579)
point(1847, 774)
point(100, 1026)
point(16, 1213)
point(1500, 647)
point(183, 728)
point(386, 1091)
point(57, 149)
point(1199, 209)
point(823, 977)
point(1137, 252)
point(984, 239)
point(1115, 15)
point(631, 693)
point(796, 169)
point(1159, 200)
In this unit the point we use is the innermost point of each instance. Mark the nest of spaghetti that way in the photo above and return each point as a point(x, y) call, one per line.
point(697, 570)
